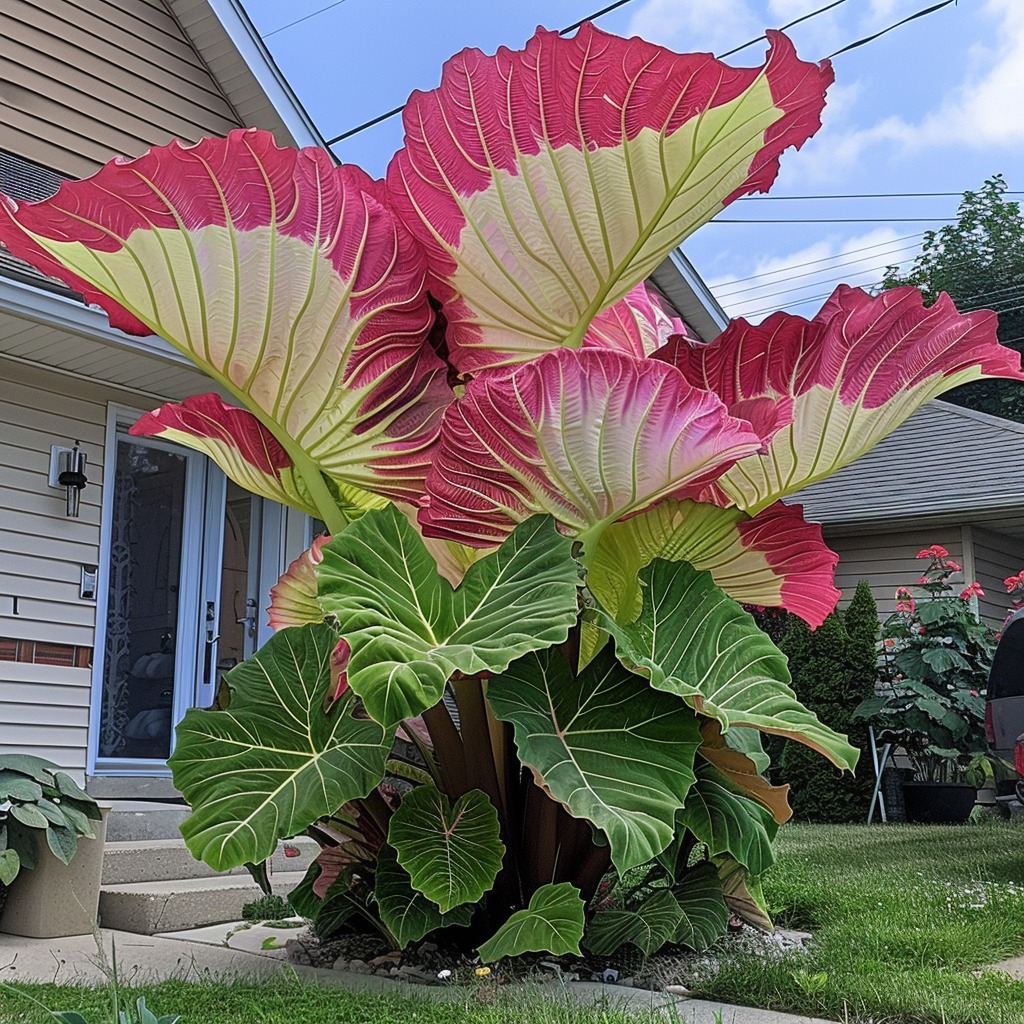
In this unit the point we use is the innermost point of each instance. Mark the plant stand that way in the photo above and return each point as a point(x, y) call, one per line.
point(55, 899)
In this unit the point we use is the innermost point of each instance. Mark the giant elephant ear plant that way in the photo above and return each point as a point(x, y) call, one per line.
point(547, 501)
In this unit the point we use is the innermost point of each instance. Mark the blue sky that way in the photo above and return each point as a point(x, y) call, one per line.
point(934, 106)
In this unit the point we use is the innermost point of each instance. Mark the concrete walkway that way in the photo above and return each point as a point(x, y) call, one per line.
point(150, 958)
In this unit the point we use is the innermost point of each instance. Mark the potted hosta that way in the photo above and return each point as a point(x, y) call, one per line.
point(547, 502)
point(936, 656)
point(49, 885)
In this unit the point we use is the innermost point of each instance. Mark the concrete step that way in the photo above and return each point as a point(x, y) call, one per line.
point(173, 905)
point(158, 860)
point(144, 820)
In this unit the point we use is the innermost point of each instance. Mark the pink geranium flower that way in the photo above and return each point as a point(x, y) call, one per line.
point(971, 590)
point(935, 551)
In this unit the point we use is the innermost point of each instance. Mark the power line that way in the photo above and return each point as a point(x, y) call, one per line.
point(811, 273)
point(904, 21)
point(831, 220)
point(796, 21)
point(800, 287)
point(813, 14)
point(305, 17)
point(825, 259)
point(862, 195)
point(397, 110)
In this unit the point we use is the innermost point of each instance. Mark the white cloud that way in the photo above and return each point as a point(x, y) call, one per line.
point(810, 273)
point(986, 109)
point(983, 111)
point(690, 27)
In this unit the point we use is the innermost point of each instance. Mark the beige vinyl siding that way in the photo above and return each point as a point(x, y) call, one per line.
point(44, 710)
point(887, 561)
point(996, 556)
point(41, 550)
point(82, 81)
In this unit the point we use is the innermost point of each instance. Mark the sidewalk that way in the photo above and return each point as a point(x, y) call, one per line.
point(145, 958)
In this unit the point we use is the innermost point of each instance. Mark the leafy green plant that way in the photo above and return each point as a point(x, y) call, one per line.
point(39, 804)
point(936, 656)
point(519, 670)
point(266, 908)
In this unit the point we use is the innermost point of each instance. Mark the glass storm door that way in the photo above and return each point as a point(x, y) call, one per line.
point(153, 641)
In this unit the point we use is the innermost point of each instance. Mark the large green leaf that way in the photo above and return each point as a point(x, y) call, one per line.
point(692, 640)
point(727, 822)
point(611, 749)
point(648, 927)
point(409, 630)
point(274, 761)
point(703, 907)
point(408, 914)
point(452, 854)
point(552, 923)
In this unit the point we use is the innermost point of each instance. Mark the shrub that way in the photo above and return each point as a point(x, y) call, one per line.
point(834, 669)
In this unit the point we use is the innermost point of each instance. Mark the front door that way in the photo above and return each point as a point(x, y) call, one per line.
point(178, 598)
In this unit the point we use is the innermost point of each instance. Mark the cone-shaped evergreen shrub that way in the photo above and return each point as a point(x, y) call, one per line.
point(833, 670)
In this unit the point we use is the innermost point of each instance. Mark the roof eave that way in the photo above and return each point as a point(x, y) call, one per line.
point(241, 64)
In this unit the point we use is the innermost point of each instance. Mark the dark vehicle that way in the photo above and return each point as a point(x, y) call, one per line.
point(1004, 709)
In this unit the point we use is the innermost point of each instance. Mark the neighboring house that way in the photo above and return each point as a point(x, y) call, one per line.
point(948, 476)
point(114, 623)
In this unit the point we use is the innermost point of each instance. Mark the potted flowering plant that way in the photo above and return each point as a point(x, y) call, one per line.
point(936, 656)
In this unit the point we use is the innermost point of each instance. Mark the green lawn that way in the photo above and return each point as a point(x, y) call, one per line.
point(904, 918)
point(303, 1002)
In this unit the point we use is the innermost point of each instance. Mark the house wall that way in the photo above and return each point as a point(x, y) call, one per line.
point(82, 81)
point(886, 560)
point(46, 629)
point(996, 556)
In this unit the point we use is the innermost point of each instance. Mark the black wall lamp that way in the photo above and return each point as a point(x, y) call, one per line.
point(67, 470)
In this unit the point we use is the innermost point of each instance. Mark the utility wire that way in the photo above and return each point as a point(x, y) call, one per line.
point(825, 259)
point(397, 110)
point(831, 220)
point(878, 35)
point(805, 17)
point(862, 195)
point(305, 17)
point(813, 14)
point(784, 279)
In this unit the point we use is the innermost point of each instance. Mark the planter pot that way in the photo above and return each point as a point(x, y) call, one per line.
point(938, 803)
point(56, 899)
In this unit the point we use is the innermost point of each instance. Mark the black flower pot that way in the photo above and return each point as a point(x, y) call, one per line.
point(938, 803)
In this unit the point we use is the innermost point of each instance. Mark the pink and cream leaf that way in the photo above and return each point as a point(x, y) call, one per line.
point(588, 436)
point(841, 381)
point(638, 324)
point(283, 276)
point(774, 559)
point(236, 440)
point(546, 183)
point(293, 599)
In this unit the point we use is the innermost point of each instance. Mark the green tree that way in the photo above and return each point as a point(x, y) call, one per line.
point(833, 670)
point(979, 261)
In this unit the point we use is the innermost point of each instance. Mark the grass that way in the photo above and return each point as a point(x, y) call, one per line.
point(296, 1001)
point(904, 919)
